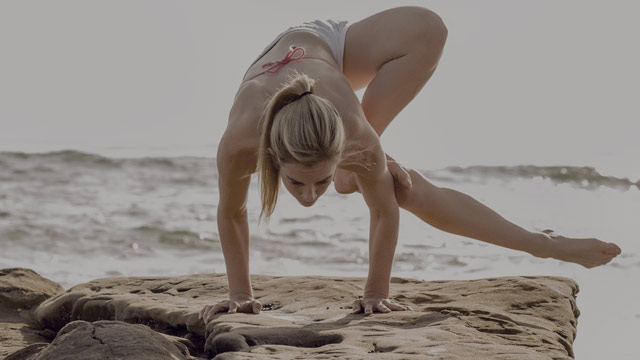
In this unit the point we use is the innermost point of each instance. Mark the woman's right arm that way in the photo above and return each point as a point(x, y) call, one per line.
point(233, 224)
point(235, 167)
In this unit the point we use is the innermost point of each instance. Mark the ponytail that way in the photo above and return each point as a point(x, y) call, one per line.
point(300, 127)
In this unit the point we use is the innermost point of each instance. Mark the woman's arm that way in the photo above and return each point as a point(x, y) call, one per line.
point(377, 187)
point(235, 167)
point(233, 224)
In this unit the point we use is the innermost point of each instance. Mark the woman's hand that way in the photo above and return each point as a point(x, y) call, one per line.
point(243, 304)
point(373, 302)
point(400, 174)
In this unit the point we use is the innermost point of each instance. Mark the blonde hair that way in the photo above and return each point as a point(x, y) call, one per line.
point(300, 127)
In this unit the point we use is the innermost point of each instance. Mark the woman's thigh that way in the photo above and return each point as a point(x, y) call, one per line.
point(385, 36)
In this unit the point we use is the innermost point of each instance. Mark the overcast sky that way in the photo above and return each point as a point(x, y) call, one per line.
point(535, 82)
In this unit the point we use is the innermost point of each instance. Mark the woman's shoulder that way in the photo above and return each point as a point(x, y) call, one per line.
point(249, 101)
point(241, 136)
point(239, 143)
point(238, 149)
point(247, 111)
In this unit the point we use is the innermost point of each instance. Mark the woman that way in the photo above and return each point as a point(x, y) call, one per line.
point(314, 130)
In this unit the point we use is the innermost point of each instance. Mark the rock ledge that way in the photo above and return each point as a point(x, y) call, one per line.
point(309, 318)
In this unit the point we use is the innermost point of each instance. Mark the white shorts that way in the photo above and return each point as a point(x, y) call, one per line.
point(332, 32)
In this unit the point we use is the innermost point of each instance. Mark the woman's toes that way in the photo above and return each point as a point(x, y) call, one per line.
point(612, 249)
point(617, 249)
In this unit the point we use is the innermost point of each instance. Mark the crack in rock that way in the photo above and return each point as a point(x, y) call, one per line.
point(243, 338)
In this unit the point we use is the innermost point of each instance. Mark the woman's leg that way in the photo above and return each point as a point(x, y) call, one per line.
point(409, 42)
point(458, 213)
point(393, 53)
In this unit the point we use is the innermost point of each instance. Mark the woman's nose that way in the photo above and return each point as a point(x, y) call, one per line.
point(309, 194)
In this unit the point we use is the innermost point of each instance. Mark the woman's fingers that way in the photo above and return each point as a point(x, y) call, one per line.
point(210, 310)
point(202, 311)
point(382, 308)
point(393, 169)
point(233, 307)
point(213, 310)
point(399, 173)
point(397, 307)
point(357, 307)
point(249, 306)
point(406, 177)
point(256, 307)
point(393, 306)
point(368, 309)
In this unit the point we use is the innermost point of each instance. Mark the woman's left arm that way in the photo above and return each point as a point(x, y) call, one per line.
point(377, 187)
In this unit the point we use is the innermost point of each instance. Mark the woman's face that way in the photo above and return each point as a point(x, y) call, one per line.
point(307, 183)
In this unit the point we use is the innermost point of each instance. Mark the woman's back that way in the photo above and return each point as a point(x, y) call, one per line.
point(247, 113)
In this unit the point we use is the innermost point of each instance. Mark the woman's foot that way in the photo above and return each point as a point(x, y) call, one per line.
point(588, 252)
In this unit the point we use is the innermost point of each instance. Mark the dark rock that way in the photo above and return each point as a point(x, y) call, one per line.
point(108, 340)
point(24, 288)
point(21, 290)
point(28, 353)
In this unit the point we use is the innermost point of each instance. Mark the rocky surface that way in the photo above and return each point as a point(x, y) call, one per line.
point(111, 340)
point(24, 288)
point(309, 318)
point(21, 290)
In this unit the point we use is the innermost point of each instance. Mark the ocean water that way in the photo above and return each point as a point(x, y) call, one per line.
point(75, 216)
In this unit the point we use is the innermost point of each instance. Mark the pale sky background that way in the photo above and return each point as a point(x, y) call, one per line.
point(535, 82)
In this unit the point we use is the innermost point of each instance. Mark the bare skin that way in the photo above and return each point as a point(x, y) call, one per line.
point(408, 44)
point(307, 183)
